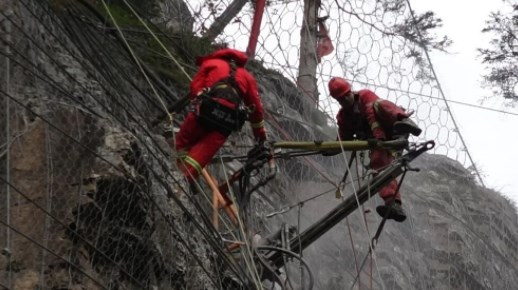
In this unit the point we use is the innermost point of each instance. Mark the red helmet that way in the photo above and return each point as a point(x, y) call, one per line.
point(338, 87)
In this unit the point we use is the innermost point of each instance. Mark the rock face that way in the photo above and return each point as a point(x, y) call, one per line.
point(176, 16)
point(90, 197)
point(458, 236)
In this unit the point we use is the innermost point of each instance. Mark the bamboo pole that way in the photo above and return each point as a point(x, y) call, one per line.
point(215, 210)
point(218, 200)
point(339, 145)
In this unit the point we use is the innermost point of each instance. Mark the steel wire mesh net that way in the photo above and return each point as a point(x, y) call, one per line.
point(90, 196)
point(368, 51)
point(86, 206)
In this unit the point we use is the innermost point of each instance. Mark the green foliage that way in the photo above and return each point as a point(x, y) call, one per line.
point(120, 12)
point(184, 48)
point(502, 56)
point(147, 8)
point(417, 30)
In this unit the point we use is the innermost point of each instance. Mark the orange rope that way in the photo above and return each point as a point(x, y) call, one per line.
point(218, 200)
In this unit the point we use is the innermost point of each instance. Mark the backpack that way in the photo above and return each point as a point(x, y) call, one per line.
point(215, 116)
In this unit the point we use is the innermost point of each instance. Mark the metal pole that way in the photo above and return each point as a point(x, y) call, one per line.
point(306, 80)
point(333, 217)
point(256, 27)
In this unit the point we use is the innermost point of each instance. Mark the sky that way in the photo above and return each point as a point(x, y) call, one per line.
point(490, 136)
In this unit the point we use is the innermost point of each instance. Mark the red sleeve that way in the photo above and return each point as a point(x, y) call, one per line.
point(248, 86)
point(198, 81)
point(210, 71)
point(367, 100)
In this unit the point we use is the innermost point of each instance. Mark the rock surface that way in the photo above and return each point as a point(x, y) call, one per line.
point(95, 201)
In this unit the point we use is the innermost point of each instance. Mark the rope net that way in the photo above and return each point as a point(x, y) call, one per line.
point(367, 51)
point(92, 199)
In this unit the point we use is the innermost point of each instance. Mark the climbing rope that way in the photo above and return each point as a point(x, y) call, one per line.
point(375, 238)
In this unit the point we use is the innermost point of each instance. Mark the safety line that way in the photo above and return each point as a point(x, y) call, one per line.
point(251, 265)
point(442, 93)
point(132, 179)
point(137, 61)
point(157, 40)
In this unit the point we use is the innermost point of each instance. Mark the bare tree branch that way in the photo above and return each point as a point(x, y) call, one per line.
point(224, 19)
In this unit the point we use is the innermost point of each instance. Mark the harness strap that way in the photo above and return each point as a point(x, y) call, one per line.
point(215, 115)
point(358, 124)
point(356, 105)
point(375, 125)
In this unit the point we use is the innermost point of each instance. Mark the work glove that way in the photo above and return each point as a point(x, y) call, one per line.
point(258, 150)
point(379, 134)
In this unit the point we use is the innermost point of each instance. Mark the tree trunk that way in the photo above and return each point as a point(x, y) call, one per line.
point(306, 81)
point(224, 19)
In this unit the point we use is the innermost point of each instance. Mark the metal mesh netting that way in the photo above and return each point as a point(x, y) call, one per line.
point(367, 52)
point(90, 199)
point(371, 55)
point(90, 196)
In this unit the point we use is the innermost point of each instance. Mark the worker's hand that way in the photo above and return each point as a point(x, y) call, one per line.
point(379, 134)
point(258, 150)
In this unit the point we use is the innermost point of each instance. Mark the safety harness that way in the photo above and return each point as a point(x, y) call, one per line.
point(359, 125)
point(361, 129)
point(214, 115)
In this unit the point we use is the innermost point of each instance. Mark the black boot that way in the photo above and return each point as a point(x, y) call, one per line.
point(406, 126)
point(392, 211)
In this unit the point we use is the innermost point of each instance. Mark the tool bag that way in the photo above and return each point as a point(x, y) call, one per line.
point(214, 115)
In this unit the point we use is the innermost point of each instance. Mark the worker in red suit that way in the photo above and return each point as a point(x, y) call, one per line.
point(364, 115)
point(223, 95)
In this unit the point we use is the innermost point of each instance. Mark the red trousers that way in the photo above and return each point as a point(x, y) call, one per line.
point(379, 159)
point(196, 146)
point(387, 113)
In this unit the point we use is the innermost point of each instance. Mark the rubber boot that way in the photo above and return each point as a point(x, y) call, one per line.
point(406, 126)
point(393, 211)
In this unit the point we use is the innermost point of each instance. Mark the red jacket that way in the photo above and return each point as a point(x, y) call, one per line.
point(363, 120)
point(215, 67)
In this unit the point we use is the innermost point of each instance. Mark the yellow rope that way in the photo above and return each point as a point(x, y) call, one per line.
point(135, 58)
point(158, 41)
